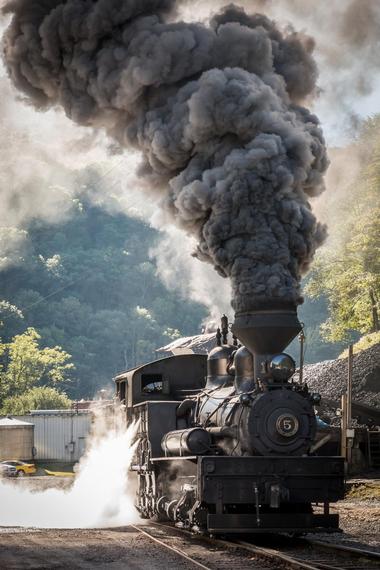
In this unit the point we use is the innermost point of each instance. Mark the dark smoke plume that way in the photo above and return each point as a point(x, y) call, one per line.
point(216, 111)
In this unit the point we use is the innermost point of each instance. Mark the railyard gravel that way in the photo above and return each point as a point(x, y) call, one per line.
point(329, 377)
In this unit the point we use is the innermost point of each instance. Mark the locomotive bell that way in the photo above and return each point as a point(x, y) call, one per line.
point(267, 331)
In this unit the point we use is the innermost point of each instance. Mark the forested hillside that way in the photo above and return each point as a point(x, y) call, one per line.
point(88, 286)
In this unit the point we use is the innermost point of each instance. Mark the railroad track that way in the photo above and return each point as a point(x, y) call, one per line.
point(350, 558)
point(319, 555)
point(298, 554)
point(169, 547)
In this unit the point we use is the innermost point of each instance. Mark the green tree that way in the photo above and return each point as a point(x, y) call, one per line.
point(81, 285)
point(11, 318)
point(38, 398)
point(349, 274)
point(25, 365)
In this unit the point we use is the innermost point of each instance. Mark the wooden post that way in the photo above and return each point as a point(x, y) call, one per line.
point(349, 400)
point(301, 338)
point(349, 384)
point(343, 427)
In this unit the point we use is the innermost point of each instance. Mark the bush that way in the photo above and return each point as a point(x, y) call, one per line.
point(42, 398)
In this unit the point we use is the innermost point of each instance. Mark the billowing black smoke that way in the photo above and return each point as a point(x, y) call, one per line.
point(215, 111)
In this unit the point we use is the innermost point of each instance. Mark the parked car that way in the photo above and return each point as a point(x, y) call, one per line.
point(7, 470)
point(21, 467)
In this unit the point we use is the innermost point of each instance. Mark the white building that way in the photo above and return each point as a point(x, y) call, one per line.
point(59, 435)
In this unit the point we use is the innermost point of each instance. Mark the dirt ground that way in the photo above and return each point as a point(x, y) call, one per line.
point(126, 548)
point(117, 549)
point(360, 513)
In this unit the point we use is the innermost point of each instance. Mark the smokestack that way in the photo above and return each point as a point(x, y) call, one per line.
point(267, 331)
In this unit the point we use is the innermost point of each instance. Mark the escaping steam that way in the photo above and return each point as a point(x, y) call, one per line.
point(100, 495)
point(216, 111)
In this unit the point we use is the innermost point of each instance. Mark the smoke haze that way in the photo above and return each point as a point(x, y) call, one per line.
point(215, 111)
point(42, 175)
point(345, 34)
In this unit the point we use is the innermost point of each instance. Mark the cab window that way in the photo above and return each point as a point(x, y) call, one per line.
point(122, 390)
point(151, 383)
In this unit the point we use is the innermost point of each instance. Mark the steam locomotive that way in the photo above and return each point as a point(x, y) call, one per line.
point(227, 442)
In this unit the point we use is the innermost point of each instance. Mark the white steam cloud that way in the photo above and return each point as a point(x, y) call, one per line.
point(101, 495)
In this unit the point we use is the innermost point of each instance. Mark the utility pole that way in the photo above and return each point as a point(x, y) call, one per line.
point(347, 432)
point(349, 385)
point(343, 427)
point(301, 338)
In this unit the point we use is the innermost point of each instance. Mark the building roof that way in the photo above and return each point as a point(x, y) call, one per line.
point(199, 344)
point(9, 422)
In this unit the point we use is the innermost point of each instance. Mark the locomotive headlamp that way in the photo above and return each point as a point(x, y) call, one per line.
point(282, 367)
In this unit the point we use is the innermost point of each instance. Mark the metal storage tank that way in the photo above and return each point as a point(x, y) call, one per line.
point(16, 439)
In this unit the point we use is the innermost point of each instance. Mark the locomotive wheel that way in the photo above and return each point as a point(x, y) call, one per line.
point(161, 515)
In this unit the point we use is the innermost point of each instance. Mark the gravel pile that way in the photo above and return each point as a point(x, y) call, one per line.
point(329, 378)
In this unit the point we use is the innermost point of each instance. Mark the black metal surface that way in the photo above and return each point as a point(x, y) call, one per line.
point(235, 452)
point(266, 332)
point(244, 370)
point(289, 522)
point(156, 419)
point(179, 374)
point(193, 441)
point(267, 422)
point(231, 480)
point(217, 367)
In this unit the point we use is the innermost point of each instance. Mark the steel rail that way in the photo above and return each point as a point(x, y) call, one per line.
point(171, 548)
point(355, 551)
point(294, 560)
point(261, 552)
point(291, 561)
point(344, 551)
point(276, 554)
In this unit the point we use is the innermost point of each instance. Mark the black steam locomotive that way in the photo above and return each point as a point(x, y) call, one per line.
point(226, 443)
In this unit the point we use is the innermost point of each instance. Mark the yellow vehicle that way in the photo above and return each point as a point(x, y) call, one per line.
point(22, 467)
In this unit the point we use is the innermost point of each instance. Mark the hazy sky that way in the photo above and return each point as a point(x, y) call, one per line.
point(343, 63)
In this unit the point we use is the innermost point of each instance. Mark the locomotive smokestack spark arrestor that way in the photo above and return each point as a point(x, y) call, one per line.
point(267, 331)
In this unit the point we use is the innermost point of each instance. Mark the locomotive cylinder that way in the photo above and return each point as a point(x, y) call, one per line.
point(194, 441)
